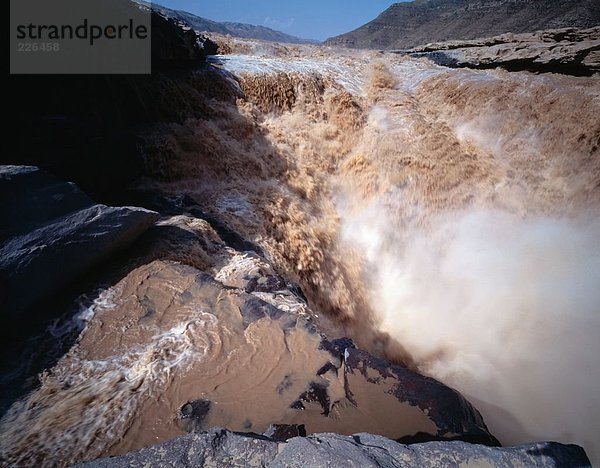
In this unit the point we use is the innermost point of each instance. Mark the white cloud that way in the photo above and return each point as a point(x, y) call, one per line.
point(275, 23)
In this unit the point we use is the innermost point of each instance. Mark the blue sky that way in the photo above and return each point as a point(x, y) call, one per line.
point(311, 19)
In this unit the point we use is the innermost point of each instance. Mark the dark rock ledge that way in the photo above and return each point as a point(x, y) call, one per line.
point(51, 233)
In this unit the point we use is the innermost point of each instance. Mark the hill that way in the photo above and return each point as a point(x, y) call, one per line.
point(248, 31)
point(405, 25)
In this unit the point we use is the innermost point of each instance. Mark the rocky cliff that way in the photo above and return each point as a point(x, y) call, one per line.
point(569, 51)
point(405, 25)
point(84, 128)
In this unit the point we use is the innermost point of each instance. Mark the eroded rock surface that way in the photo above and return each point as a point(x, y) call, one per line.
point(570, 51)
point(219, 447)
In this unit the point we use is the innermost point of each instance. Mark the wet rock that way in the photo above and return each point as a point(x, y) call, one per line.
point(398, 399)
point(193, 414)
point(56, 233)
point(267, 283)
point(569, 51)
point(283, 432)
point(337, 347)
point(316, 392)
point(179, 238)
point(254, 309)
point(229, 236)
point(186, 205)
point(453, 415)
point(219, 447)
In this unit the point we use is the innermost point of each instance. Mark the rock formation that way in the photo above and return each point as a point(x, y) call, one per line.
point(84, 128)
point(219, 447)
point(56, 234)
point(176, 47)
point(405, 25)
point(570, 51)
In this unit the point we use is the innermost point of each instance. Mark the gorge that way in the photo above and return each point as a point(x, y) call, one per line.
point(329, 240)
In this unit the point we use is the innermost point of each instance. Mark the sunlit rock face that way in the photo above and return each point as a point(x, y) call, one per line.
point(570, 51)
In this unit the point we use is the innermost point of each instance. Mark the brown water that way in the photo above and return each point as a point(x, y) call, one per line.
point(444, 218)
point(165, 338)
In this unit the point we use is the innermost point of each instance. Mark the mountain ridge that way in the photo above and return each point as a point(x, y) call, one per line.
point(235, 29)
point(411, 24)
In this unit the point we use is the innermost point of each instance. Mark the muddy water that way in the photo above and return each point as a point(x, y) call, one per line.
point(171, 350)
point(443, 218)
point(454, 213)
point(166, 339)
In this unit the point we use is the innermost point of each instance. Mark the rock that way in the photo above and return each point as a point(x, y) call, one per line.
point(452, 414)
point(86, 128)
point(569, 51)
point(193, 413)
point(376, 451)
point(283, 432)
point(175, 46)
point(185, 205)
point(410, 24)
point(219, 447)
point(56, 234)
point(30, 197)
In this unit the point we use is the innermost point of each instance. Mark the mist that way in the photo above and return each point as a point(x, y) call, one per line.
point(500, 307)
